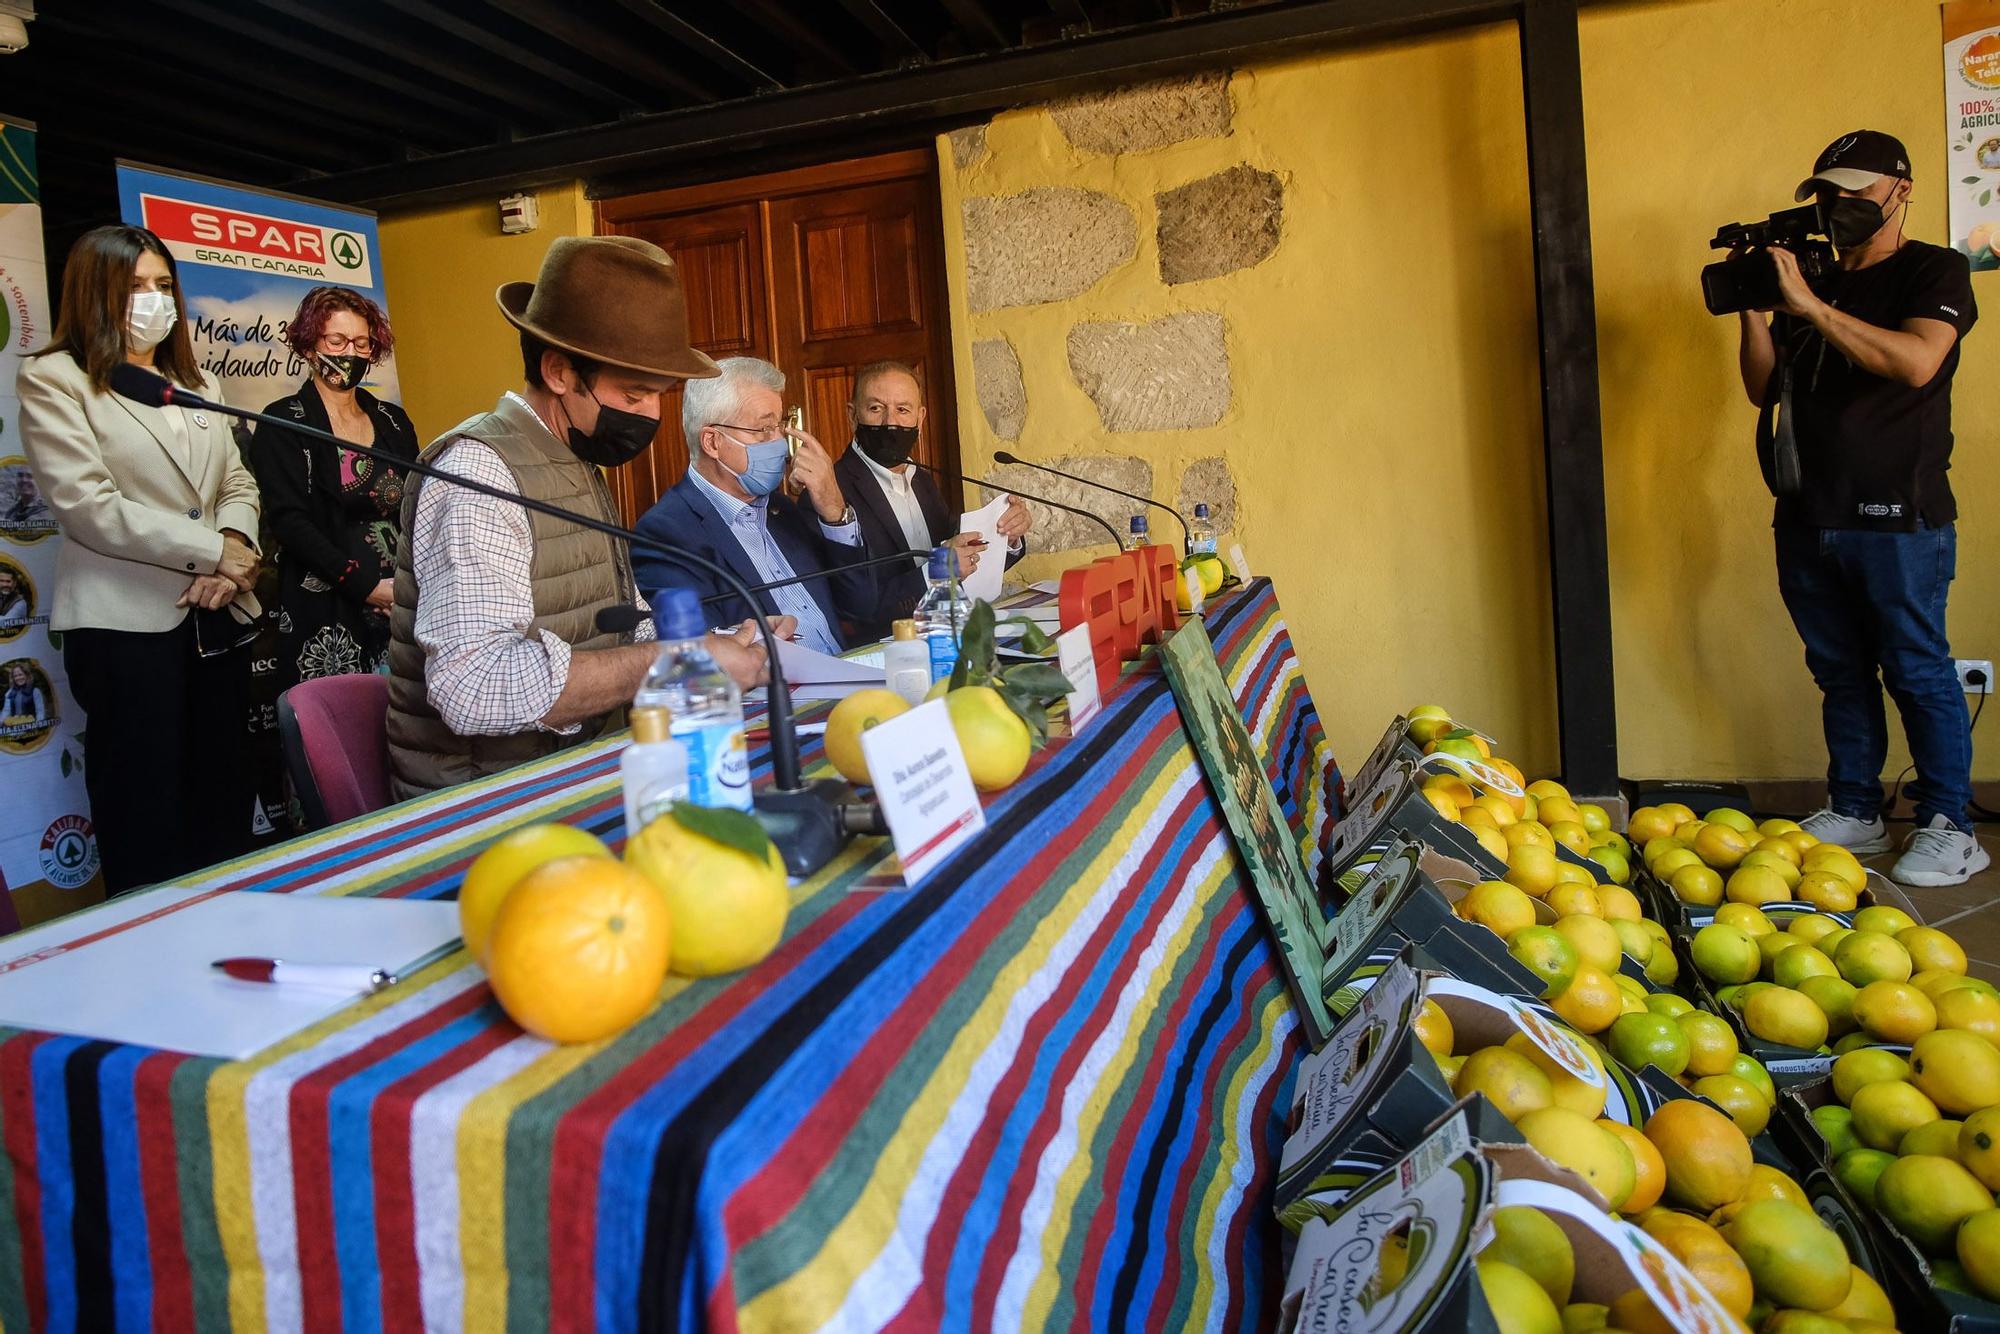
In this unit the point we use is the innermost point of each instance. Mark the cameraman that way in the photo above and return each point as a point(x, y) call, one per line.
point(1863, 360)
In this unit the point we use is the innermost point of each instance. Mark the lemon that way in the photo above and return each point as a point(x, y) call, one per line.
point(1928, 1197)
point(1958, 1071)
point(1586, 1148)
point(1931, 948)
point(1519, 1304)
point(1509, 1080)
point(1887, 1111)
point(1500, 908)
point(1978, 1249)
point(1209, 567)
point(728, 907)
point(1533, 1243)
point(1433, 1027)
point(1865, 956)
point(1858, 1069)
point(1937, 1138)
point(995, 740)
point(851, 717)
point(504, 864)
point(1894, 1011)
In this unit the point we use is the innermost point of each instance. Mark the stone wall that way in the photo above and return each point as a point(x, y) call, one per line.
point(1082, 242)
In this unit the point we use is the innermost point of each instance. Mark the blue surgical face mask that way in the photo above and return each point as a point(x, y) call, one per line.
point(764, 469)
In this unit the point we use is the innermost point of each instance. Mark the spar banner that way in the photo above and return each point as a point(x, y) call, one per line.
point(1972, 126)
point(48, 852)
point(246, 257)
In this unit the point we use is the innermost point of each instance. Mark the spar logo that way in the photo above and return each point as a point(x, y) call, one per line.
point(69, 852)
point(257, 242)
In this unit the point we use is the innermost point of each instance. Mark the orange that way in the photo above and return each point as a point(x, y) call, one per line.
point(1698, 885)
point(1894, 1011)
point(1826, 891)
point(1708, 1158)
point(1532, 869)
point(1720, 846)
point(1497, 906)
point(1648, 823)
point(1591, 1001)
point(1619, 903)
point(1567, 899)
point(579, 949)
point(865, 709)
point(504, 864)
point(1649, 1169)
point(1970, 1009)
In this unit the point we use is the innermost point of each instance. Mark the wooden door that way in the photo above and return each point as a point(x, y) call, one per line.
point(820, 271)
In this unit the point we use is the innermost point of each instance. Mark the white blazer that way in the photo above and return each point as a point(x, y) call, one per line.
point(142, 513)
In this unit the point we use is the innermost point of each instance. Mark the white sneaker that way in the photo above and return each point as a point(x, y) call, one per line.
point(1857, 836)
point(1941, 854)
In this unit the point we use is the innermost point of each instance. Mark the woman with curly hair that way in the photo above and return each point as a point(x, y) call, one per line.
point(334, 514)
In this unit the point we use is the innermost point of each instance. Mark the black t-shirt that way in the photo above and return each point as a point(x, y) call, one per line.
point(1874, 451)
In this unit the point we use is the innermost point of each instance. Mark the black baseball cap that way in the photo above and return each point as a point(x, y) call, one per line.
point(1856, 161)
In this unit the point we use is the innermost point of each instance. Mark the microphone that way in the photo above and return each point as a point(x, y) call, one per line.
point(1094, 517)
point(617, 619)
point(1187, 536)
point(808, 822)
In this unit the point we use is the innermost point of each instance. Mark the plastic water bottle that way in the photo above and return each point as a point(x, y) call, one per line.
point(654, 769)
point(1202, 532)
point(1139, 533)
point(906, 662)
point(707, 709)
point(940, 617)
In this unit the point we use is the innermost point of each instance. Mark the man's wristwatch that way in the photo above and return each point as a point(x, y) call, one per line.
point(847, 516)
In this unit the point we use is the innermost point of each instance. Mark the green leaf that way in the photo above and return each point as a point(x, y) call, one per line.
point(1459, 734)
point(1985, 198)
point(731, 828)
point(1033, 638)
point(1040, 679)
point(55, 640)
point(65, 762)
point(1969, 180)
point(976, 641)
point(1029, 710)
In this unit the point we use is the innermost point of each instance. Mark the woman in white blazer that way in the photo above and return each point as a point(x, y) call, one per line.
point(152, 590)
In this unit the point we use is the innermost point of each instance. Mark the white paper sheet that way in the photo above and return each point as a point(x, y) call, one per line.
point(805, 666)
point(138, 970)
point(984, 582)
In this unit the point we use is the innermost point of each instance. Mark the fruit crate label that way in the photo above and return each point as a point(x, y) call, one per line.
point(1369, 814)
point(1385, 750)
point(1332, 1281)
point(1333, 1081)
point(1369, 909)
point(1563, 1049)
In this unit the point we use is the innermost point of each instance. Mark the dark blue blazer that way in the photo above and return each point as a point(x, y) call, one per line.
point(684, 518)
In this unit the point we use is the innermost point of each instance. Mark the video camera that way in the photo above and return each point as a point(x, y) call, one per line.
point(1750, 281)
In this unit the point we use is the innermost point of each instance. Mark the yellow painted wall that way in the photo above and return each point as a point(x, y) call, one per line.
point(1691, 125)
point(455, 353)
point(1385, 428)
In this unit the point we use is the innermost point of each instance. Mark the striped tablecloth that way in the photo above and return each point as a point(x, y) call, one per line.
point(1040, 1091)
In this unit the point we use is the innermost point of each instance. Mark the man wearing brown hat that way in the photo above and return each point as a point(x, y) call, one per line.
point(495, 658)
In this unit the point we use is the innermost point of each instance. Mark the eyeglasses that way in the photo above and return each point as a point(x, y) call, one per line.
point(765, 434)
point(335, 342)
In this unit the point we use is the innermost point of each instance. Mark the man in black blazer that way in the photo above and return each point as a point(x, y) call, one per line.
point(730, 508)
point(897, 502)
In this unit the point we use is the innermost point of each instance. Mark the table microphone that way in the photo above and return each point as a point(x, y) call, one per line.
point(1094, 517)
point(1187, 536)
point(809, 822)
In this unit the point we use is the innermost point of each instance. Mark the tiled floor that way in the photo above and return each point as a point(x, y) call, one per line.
point(1969, 913)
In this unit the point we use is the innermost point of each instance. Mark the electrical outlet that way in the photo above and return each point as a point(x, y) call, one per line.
point(1966, 667)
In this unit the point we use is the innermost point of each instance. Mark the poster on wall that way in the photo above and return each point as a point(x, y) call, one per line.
point(246, 258)
point(48, 852)
point(1972, 127)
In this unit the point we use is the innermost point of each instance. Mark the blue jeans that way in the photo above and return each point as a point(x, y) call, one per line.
point(1864, 601)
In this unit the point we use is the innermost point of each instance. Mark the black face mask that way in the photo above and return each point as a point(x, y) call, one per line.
point(890, 446)
point(1853, 222)
point(619, 437)
point(341, 372)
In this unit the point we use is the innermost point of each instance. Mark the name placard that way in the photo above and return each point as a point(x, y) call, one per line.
point(923, 786)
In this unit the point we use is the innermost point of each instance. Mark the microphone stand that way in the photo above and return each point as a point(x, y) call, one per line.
point(1187, 534)
point(1091, 515)
point(809, 822)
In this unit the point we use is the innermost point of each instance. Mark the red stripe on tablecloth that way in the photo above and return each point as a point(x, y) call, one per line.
point(17, 1098)
point(389, 1152)
point(774, 1191)
point(312, 1173)
point(1204, 1132)
point(576, 1155)
point(159, 1178)
point(974, 1164)
point(758, 1205)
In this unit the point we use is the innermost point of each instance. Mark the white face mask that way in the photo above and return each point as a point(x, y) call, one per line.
point(149, 319)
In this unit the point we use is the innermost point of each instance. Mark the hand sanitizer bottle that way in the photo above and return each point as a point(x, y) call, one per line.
point(654, 768)
point(906, 660)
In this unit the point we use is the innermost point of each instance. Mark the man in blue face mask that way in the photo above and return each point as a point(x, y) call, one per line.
point(1856, 367)
point(731, 507)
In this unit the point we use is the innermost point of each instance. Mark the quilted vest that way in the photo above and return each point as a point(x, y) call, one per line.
point(575, 573)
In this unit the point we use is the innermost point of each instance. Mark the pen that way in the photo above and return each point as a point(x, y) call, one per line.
point(339, 976)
